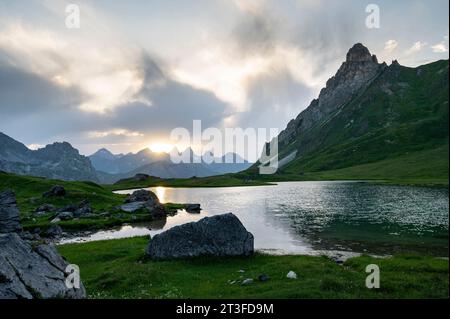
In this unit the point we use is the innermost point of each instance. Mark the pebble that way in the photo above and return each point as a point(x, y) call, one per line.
point(291, 275)
point(247, 281)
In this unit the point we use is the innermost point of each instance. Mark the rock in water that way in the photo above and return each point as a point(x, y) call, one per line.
point(143, 199)
point(9, 213)
point(193, 208)
point(220, 235)
point(142, 195)
point(27, 272)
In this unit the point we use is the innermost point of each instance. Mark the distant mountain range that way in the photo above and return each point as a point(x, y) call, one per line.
point(62, 161)
point(371, 112)
point(113, 167)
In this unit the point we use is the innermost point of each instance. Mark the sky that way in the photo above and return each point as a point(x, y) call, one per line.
point(135, 70)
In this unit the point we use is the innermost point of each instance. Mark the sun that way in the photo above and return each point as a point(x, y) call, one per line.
point(160, 147)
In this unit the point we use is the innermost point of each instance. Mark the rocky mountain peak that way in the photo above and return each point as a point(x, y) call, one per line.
point(359, 53)
point(358, 70)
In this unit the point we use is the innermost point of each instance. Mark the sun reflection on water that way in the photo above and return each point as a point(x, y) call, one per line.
point(161, 193)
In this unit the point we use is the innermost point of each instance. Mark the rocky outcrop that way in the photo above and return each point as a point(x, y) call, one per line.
point(29, 271)
point(220, 235)
point(9, 213)
point(55, 191)
point(357, 72)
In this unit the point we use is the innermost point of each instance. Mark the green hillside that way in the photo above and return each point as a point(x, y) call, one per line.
point(396, 129)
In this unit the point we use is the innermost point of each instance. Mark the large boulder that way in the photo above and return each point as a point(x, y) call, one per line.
point(9, 213)
point(220, 235)
point(27, 272)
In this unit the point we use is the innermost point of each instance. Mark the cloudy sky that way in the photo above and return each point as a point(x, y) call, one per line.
point(135, 70)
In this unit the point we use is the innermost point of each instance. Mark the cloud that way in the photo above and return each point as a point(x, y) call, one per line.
point(255, 35)
point(439, 48)
point(108, 79)
point(50, 112)
point(390, 45)
point(23, 92)
point(442, 46)
point(416, 47)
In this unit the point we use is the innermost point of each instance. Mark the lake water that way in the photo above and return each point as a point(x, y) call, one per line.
point(311, 217)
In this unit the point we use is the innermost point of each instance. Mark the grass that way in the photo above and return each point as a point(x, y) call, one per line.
point(29, 192)
point(428, 168)
point(119, 269)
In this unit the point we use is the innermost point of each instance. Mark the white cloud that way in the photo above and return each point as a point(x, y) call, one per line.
point(390, 45)
point(416, 47)
point(114, 132)
point(106, 73)
point(440, 48)
point(35, 146)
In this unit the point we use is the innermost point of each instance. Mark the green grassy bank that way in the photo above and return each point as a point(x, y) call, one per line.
point(119, 269)
point(29, 192)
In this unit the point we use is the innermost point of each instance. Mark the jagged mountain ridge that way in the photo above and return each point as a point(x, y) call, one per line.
point(56, 161)
point(164, 167)
point(369, 112)
point(105, 161)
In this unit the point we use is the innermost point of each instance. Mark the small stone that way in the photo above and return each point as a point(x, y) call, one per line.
point(45, 208)
point(55, 220)
point(241, 270)
point(247, 281)
point(291, 275)
point(65, 216)
point(54, 231)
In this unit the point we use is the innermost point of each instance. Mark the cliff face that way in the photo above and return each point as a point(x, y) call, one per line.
point(357, 72)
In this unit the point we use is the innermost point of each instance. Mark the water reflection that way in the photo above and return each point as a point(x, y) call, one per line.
point(300, 217)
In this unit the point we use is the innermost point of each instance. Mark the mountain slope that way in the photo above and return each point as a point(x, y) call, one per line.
point(394, 111)
point(57, 161)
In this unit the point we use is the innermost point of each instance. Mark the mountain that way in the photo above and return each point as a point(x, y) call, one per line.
point(165, 168)
point(368, 113)
point(104, 161)
point(57, 161)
